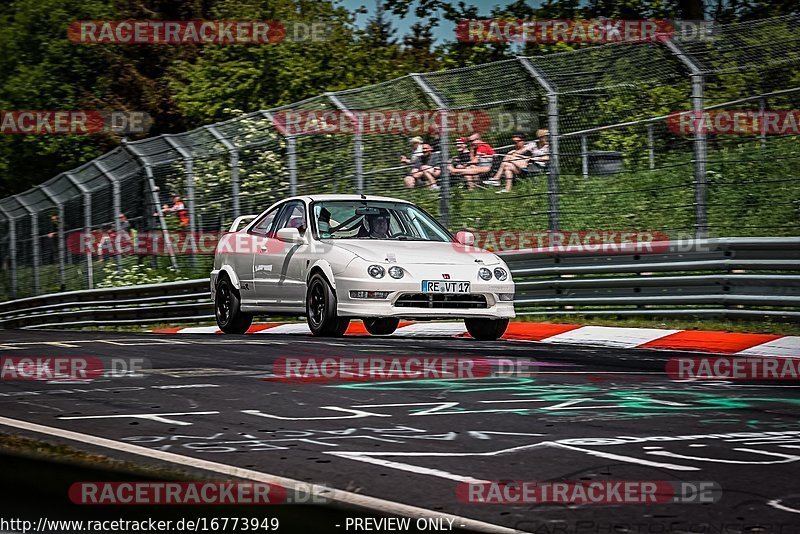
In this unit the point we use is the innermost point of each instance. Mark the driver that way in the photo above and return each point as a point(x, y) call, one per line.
point(377, 226)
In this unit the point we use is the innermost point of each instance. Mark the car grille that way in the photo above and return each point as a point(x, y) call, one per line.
point(440, 300)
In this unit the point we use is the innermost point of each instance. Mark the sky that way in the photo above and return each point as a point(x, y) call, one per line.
point(444, 32)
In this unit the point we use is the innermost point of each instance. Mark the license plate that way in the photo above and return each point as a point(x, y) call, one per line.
point(444, 286)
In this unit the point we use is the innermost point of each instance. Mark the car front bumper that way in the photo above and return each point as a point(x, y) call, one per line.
point(405, 294)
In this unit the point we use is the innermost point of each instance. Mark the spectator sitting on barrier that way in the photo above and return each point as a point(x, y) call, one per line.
point(538, 152)
point(427, 170)
point(416, 151)
point(513, 162)
point(460, 160)
point(541, 150)
point(480, 162)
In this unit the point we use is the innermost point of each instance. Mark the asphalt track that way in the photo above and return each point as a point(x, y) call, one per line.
point(403, 447)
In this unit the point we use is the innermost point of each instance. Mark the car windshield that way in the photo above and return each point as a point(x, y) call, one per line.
point(364, 219)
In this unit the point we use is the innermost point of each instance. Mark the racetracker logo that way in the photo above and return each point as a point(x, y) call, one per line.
point(197, 493)
point(581, 31)
point(733, 368)
point(110, 243)
point(333, 369)
point(69, 368)
point(589, 241)
point(196, 32)
point(734, 122)
point(588, 492)
point(74, 122)
point(377, 122)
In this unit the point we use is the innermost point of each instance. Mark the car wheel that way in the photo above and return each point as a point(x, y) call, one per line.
point(321, 309)
point(228, 309)
point(381, 327)
point(486, 329)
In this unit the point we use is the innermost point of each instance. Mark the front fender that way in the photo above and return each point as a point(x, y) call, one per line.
point(326, 269)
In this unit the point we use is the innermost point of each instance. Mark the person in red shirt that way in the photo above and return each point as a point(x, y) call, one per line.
point(179, 208)
point(480, 162)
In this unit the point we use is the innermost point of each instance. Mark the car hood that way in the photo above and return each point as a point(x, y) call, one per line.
point(415, 252)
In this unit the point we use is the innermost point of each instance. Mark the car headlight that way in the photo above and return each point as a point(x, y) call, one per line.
point(500, 273)
point(376, 271)
point(396, 272)
point(485, 273)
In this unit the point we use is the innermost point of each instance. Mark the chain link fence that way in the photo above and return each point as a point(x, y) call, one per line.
point(615, 161)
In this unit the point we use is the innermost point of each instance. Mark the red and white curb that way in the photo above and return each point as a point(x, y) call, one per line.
point(596, 336)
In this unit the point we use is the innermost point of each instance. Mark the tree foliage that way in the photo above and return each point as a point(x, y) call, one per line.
point(186, 86)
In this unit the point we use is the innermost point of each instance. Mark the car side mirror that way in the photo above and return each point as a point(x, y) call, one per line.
point(465, 238)
point(289, 235)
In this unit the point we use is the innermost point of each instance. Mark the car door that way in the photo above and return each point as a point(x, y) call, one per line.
point(283, 283)
point(262, 239)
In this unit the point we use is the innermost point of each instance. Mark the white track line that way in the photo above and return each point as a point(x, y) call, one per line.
point(345, 497)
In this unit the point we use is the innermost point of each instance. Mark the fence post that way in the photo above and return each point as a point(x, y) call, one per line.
point(151, 183)
point(188, 170)
point(62, 274)
point(12, 250)
point(698, 106)
point(762, 109)
point(116, 202)
point(37, 260)
point(585, 156)
point(233, 151)
point(554, 169)
point(651, 151)
point(87, 225)
point(441, 105)
point(291, 157)
point(358, 140)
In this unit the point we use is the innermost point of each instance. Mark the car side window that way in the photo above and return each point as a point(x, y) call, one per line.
point(263, 226)
point(293, 215)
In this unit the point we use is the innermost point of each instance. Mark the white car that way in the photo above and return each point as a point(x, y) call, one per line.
point(334, 258)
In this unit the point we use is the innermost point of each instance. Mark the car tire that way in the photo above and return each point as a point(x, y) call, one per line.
point(486, 329)
point(228, 309)
point(381, 326)
point(321, 309)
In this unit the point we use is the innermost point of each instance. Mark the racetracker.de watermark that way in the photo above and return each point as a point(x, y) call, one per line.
point(196, 493)
point(383, 121)
point(70, 367)
point(72, 122)
point(591, 241)
point(733, 368)
point(331, 369)
point(735, 122)
point(589, 492)
point(197, 32)
point(111, 243)
point(582, 31)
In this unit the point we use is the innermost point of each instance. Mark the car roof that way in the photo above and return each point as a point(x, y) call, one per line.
point(319, 198)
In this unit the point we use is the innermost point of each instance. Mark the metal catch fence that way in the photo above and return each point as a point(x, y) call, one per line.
point(617, 161)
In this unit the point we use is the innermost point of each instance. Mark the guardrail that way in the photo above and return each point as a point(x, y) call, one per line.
point(755, 277)
point(186, 300)
point(736, 277)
